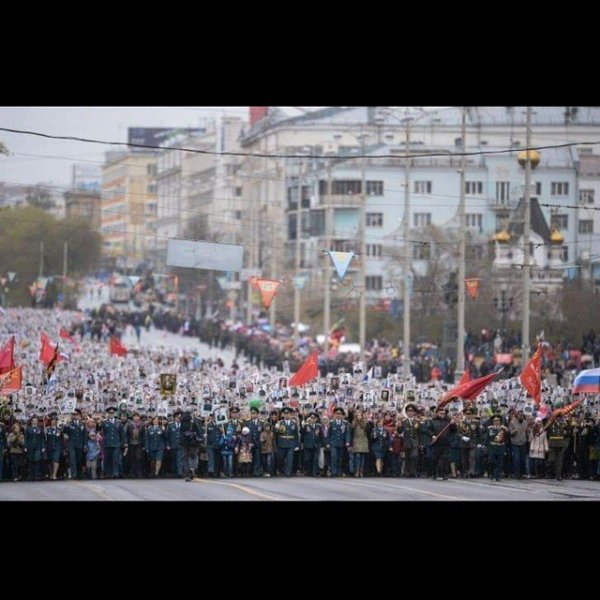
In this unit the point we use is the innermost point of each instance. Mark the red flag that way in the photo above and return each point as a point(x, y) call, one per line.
point(47, 351)
point(531, 377)
point(66, 335)
point(468, 390)
point(7, 356)
point(11, 381)
point(466, 377)
point(472, 285)
point(309, 370)
point(117, 348)
point(53, 362)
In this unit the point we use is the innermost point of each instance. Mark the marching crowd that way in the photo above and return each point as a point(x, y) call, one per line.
point(97, 414)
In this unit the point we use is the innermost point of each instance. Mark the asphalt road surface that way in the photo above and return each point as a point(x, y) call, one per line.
point(301, 488)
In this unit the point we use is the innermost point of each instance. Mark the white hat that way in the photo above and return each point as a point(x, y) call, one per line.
point(245, 430)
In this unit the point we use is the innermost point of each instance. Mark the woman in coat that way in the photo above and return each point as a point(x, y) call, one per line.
point(154, 442)
point(16, 449)
point(538, 447)
point(360, 442)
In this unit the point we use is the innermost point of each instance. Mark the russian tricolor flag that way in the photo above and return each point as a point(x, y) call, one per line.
point(587, 382)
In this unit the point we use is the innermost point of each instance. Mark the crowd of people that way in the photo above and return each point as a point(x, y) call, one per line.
point(99, 414)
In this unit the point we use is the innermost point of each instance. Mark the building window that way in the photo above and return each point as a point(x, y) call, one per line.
point(586, 226)
point(374, 219)
point(152, 188)
point(502, 191)
point(475, 252)
point(586, 196)
point(317, 222)
point(559, 188)
point(347, 186)
point(374, 188)
point(565, 253)
point(374, 282)
point(239, 214)
point(474, 188)
point(374, 250)
point(238, 191)
point(538, 188)
point(559, 221)
point(343, 246)
point(422, 219)
point(421, 251)
point(474, 220)
point(422, 187)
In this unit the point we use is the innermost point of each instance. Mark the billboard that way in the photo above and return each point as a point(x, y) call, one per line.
point(204, 255)
point(155, 136)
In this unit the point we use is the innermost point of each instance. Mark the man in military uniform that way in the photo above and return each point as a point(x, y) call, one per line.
point(76, 436)
point(496, 436)
point(288, 440)
point(340, 438)
point(470, 440)
point(212, 435)
point(255, 426)
point(440, 428)
point(114, 441)
point(35, 449)
point(312, 441)
point(409, 430)
point(174, 448)
point(558, 441)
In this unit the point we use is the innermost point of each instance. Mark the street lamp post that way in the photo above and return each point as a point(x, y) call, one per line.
point(528, 159)
point(407, 250)
point(363, 257)
point(460, 330)
point(297, 257)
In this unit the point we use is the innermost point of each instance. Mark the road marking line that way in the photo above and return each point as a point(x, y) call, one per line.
point(243, 488)
point(96, 489)
point(404, 487)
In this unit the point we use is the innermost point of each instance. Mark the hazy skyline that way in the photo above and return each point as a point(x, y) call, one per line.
point(54, 158)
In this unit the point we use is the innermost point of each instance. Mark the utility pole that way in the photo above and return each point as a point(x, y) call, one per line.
point(460, 330)
point(363, 258)
point(327, 270)
point(65, 254)
point(41, 259)
point(526, 232)
point(407, 250)
point(297, 262)
point(274, 256)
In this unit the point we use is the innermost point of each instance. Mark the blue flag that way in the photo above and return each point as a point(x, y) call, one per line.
point(341, 262)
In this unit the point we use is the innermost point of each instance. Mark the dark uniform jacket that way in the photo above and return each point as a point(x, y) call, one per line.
point(78, 435)
point(154, 438)
point(410, 433)
point(53, 439)
point(173, 435)
point(312, 436)
point(3, 440)
point(496, 436)
point(34, 440)
point(114, 434)
point(558, 434)
point(287, 434)
point(213, 436)
point(469, 429)
point(255, 430)
point(340, 433)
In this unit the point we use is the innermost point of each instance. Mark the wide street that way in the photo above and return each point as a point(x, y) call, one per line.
point(301, 488)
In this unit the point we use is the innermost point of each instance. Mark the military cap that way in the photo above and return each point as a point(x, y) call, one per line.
point(254, 410)
point(286, 410)
point(339, 410)
point(110, 409)
point(411, 405)
point(234, 409)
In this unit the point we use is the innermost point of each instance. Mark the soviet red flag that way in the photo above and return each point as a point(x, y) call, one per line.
point(117, 348)
point(468, 390)
point(309, 370)
point(531, 377)
point(7, 356)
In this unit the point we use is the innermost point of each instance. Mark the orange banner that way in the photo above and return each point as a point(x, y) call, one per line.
point(268, 289)
point(472, 286)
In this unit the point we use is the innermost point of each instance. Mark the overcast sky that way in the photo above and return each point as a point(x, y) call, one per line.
point(98, 122)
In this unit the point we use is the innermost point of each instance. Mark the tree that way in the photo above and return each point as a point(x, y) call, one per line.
point(21, 232)
point(40, 198)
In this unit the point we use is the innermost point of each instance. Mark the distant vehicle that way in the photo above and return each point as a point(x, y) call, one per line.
point(119, 290)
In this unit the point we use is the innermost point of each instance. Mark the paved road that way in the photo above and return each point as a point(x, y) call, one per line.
point(301, 488)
